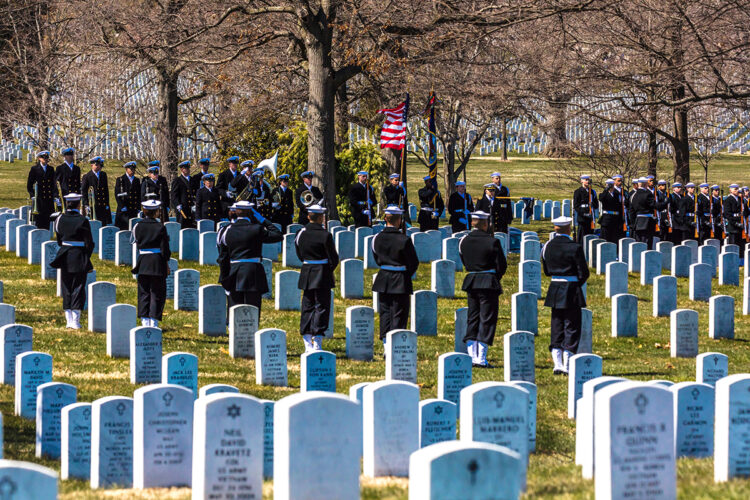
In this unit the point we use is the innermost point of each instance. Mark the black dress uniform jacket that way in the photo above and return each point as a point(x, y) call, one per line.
point(208, 204)
point(183, 195)
point(317, 195)
point(128, 197)
point(502, 195)
point(562, 256)
point(584, 205)
point(427, 207)
point(675, 201)
point(611, 209)
point(733, 208)
point(244, 240)
point(161, 189)
point(460, 207)
point(391, 247)
point(495, 209)
point(284, 213)
point(481, 253)
point(687, 213)
point(394, 195)
point(224, 180)
point(101, 194)
point(69, 178)
point(643, 207)
point(704, 212)
point(46, 192)
point(314, 243)
point(358, 196)
point(73, 227)
point(150, 234)
point(662, 199)
point(716, 210)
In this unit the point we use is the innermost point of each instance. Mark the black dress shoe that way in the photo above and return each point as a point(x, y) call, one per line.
point(477, 365)
point(557, 372)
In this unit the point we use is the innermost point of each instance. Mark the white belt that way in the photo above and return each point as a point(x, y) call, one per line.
point(321, 261)
point(565, 278)
point(393, 268)
point(146, 251)
point(242, 261)
point(428, 209)
point(584, 206)
point(650, 216)
point(73, 243)
point(488, 271)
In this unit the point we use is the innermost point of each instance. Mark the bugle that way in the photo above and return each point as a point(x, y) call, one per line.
point(92, 203)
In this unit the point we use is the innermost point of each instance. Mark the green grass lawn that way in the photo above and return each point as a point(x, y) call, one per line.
point(80, 357)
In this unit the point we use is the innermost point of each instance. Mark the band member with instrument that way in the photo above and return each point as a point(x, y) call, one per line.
point(315, 248)
point(73, 259)
point(152, 265)
point(644, 207)
point(485, 264)
point(585, 203)
point(282, 201)
point(362, 200)
point(261, 194)
point(183, 196)
point(204, 164)
point(611, 217)
point(303, 199)
point(460, 206)
point(688, 213)
point(128, 196)
point(68, 174)
point(224, 183)
point(95, 191)
point(705, 215)
point(563, 261)
point(431, 206)
point(241, 182)
point(502, 193)
point(155, 187)
point(717, 200)
point(394, 192)
point(491, 205)
point(244, 241)
point(675, 204)
point(208, 200)
point(395, 254)
point(663, 216)
point(734, 216)
point(41, 188)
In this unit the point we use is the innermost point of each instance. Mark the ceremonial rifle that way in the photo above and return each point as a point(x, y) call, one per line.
point(711, 213)
point(695, 215)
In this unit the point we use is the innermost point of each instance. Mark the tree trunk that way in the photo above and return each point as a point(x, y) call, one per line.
point(321, 144)
point(342, 124)
point(505, 139)
point(557, 145)
point(167, 150)
point(681, 146)
point(653, 154)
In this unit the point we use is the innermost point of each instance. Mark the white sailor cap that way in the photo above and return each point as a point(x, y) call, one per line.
point(316, 209)
point(690, 185)
point(585, 177)
point(393, 210)
point(151, 204)
point(734, 186)
point(642, 180)
point(562, 221)
point(479, 214)
point(495, 174)
point(460, 183)
point(242, 205)
point(72, 197)
point(609, 181)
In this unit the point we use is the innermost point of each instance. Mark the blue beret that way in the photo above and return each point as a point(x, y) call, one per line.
point(155, 163)
point(41, 154)
point(208, 177)
point(96, 159)
point(68, 151)
point(284, 177)
point(184, 164)
point(130, 164)
point(204, 161)
point(233, 159)
point(309, 173)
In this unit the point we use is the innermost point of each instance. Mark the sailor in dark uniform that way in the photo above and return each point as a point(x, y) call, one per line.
point(362, 200)
point(644, 207)
point(208, 200)
point(155, 187)
point(675, 201)
point(43, 176)
point(245, 177)
point(485, 265)
point(705, 225)
point(663, 216)
point(394, 192)
point(261, 194)
point(563, 261)
point(96, 180)
point(244, 240)
point(224, 183)
point(688, 214)
point(489, 204)
point(505, 214)
point(205, 165)
point(431, 206)
point(73, 259)
point(306, 185)
point(460, 205)
point(734, 216)
point(631, 213)
point(68, 174)
point(152, 265)
point(183, 196)
point(283, 209)
point(584, 203)
point(622, 196)
point(223, 260)
point(395, 254)
point(716, 210)
point(610, 219)
point(315, 248)
point(128, 196)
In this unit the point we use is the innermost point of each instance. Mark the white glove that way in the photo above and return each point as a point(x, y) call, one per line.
point(366, 212)
point(57, 201)
point(401, 184)
point(179, 207)
point(121, 195)
point(230, 194)
point(275, 205)
point(245, 171)
point(124, 209)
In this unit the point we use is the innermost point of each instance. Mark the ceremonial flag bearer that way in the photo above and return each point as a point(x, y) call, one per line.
point(244, 241)
point(128, 196)
point(152, 265)
point(485, 264)
point(395, 254)
point(563, 261)
point(73, 259)
point(460, 205)
point(306, 185)
point(315, 248)
point(584, 203)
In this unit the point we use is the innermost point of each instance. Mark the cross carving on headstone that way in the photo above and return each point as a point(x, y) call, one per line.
point(716, 360)
point(268, 411)
point(320, 359)
point(499, 398)
point(87, 413)
point(120, 408)
point(473, 468)
point(7, 488)
point(59, 392)
point(182, 361)
point(695, 393)
point(641, 402)
point(167, 397)
point(587, 362)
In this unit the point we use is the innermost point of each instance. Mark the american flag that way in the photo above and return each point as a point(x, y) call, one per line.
point(393, 134)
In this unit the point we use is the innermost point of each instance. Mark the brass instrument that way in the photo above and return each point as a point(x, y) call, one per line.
point(60, 203)
point(92, 203)
point(276, 197)
point(34, 209)
point(307, 198)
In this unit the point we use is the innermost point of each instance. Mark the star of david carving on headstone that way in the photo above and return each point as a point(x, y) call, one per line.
point(587, 362)
point(182, 361)
point(59, 392)
point(641, 402)
point(7, 488)
point(273, 336)
point(36, 360)
point(473, 467)
point(499, 399)
point(167, 397)
point(438, 410)
point(268, 411)
point(695, 393)
point(234, 411)
point(87, 413)
point(120, 408)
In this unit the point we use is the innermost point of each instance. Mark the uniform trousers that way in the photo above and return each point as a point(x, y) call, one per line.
point(152, 294)
point(584, 229)
point(394, 311)
point(122, 219)
point(736, 239)
point(645, 236)
point(42, 220)
point(186, 222)
point(73, 289)
point(703, 235)
point(251, 298)
point(315, 311)
point(565, 326)
point(481, 318)
point(611, 234)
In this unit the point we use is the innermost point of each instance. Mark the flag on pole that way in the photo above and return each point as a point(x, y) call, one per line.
point(393, 134)
point(432, 140)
